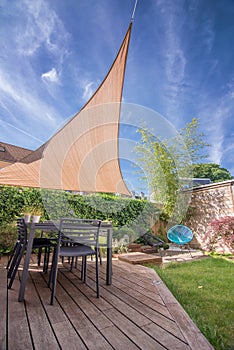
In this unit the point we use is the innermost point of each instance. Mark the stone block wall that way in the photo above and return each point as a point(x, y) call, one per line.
point(209, 202)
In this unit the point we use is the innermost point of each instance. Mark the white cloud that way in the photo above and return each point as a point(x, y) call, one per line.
point(21, 131)
point(208, 34)
point(88, 90)
point(25, 100)
point(230, 88)
point(176, 62)
point(216, 115)
point(38, 28)
point(37, 33)
point(174, 57)
point(173, 48)
point(50, 76)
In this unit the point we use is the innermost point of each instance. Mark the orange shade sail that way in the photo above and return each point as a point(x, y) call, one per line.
point(83, 155)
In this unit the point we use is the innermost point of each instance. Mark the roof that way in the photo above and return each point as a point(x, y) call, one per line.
point(10, 153)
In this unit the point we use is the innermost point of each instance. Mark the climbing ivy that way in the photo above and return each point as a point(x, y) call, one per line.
point(15, 201)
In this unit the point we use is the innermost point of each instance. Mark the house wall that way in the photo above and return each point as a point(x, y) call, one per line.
point(209, 202)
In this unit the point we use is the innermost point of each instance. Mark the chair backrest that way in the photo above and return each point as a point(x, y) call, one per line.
point(22, 231)
point(83, 231)
point(152, 240)
point(180, 234)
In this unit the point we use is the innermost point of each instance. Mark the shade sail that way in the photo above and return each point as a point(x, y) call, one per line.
point(83, 155)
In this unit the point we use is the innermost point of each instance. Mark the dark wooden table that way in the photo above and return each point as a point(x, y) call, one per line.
point(50, 226)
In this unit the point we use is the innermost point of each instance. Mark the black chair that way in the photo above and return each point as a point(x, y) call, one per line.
point(20, 248)
point(152, 240)
point(76, 238)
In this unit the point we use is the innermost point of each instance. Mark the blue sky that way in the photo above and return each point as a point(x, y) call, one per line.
point(54, 54)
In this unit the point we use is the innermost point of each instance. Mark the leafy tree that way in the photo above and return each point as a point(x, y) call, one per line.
point(212, 171)
point(167, 161)
point(194, 141)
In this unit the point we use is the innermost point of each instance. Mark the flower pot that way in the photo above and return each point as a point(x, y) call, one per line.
point(36, 218)
point(27, 217)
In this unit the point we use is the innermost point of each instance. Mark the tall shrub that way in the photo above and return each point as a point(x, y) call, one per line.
point(219, 236)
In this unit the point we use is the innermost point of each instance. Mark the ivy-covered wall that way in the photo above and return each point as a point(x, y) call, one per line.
point(130, 215)
point(16, 201)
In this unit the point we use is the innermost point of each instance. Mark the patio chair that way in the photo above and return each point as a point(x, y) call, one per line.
point(21, 247)
point(180, 235)
point(152, 240)
point(76, 238)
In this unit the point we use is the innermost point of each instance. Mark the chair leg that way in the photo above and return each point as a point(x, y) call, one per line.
point(97, 275)
point(190, 251)
point(83, 269)
point(39, 256)
point(46, 259)
point(14, 260)
point(15, 267)
point(160, 252)
point(12, 255)
point(71, 263)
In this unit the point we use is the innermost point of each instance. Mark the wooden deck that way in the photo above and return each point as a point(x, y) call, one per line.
point(136, 312)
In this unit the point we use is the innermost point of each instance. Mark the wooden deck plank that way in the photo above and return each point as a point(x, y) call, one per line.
point(3, 306)
point(144, 296)
point(114, 336)
point(167, 328)
point(117, 339)
point(144, 299)
point(135, 273)
point(126, 319)
point(131, 330)
point(123, 323)
point(42, 333)
point(65, 332)
point(109, 295)
point(165, 338)
point(135, 309)
point(19, 336)
point(191, 332)
point(84, 301)
point(85, 317)
point(164, 324)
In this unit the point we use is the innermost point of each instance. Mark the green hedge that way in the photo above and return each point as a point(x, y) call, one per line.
point(15, 201)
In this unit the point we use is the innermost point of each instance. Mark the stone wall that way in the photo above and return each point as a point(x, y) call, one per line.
point(209, 202)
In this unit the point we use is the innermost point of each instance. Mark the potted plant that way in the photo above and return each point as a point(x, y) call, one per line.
point(27, 210)
point(36, 214)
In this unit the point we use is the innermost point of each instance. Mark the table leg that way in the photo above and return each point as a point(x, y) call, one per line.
point(26, 264)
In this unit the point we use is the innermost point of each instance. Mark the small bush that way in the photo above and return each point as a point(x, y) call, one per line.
point(219, 236)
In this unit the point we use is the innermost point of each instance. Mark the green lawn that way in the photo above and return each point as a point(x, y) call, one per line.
point(205, 289)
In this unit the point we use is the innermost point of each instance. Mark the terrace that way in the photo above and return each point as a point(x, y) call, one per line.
point(136, 312)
